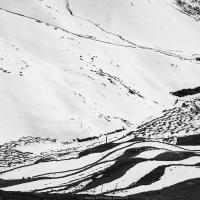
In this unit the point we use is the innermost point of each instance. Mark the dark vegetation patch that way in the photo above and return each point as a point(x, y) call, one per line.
point(174, 156)
point(138, 139)
point(4, 70)
point(87, 139)
point(197, 164)
point(152, 177)
point(117, 131)
point(41, 196)
point(186, 92)
point(191, 8)
point(189, 140)
point(95, 137)
point(123, 163)
point(11, 182)
point(99, 149)
point(187, 190)
point(42, 160)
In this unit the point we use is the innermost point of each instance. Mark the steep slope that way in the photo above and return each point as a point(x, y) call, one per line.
point(66, 77)
point(57, 88)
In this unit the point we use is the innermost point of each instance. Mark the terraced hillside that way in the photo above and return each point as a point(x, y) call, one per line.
point(122, 164)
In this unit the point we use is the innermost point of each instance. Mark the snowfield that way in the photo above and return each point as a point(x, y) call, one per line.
point(77, 85)
point(99, 97)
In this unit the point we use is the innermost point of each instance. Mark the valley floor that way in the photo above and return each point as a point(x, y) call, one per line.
point(188, 190)
point(123, 164)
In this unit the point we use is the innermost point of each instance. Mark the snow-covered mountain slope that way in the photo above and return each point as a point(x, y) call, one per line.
point(122, 163)
point(94, 167)
point(150, 23)
point(74, 69)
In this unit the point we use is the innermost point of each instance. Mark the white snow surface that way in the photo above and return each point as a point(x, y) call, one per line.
point(137, 172)
point(73, 69)
point(173, 175)
point(65, 77)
